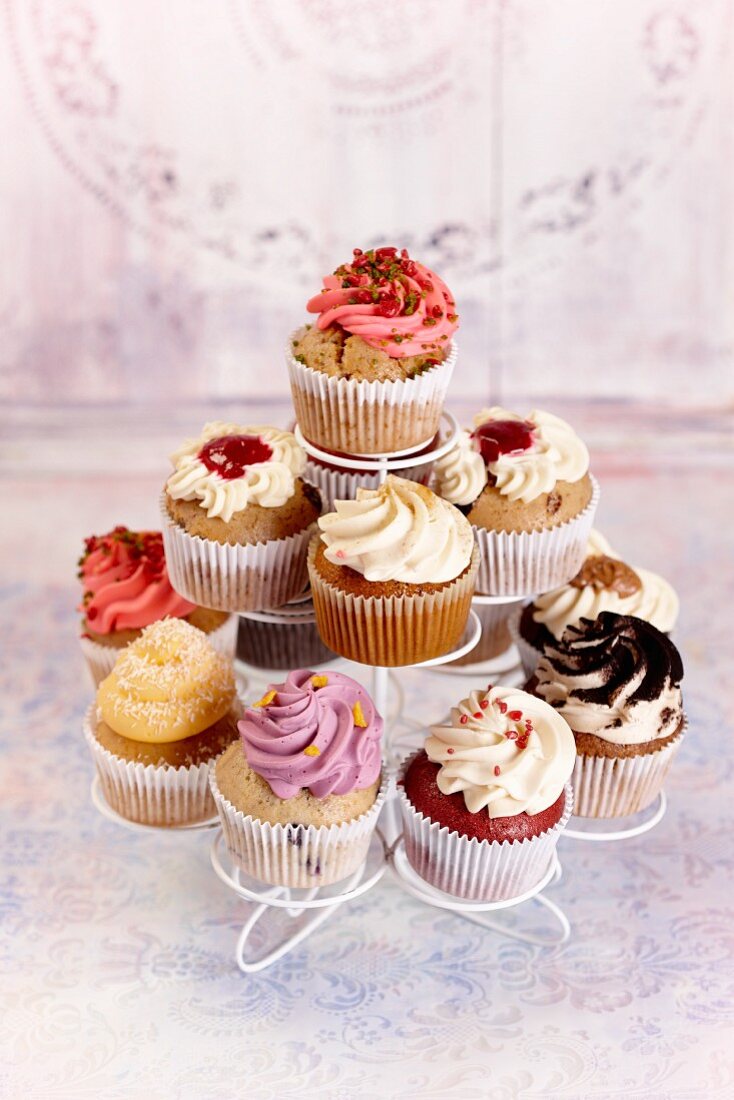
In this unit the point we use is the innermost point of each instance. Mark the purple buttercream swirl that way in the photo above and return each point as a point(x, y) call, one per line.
point(303, 716)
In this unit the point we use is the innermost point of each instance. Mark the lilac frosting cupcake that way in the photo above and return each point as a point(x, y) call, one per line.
point(300, 793)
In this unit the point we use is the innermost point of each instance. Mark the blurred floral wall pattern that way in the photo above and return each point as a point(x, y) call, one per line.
point(177, 178)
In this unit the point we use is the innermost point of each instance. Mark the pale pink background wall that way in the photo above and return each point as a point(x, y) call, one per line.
point(176, 176)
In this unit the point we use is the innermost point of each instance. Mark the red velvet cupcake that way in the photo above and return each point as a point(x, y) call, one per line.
point(484, 805)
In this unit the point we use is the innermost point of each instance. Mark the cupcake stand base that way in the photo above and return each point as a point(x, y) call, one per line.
point(606, 830)
point(101, 804)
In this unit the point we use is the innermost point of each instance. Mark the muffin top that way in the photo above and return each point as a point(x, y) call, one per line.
point(125, 581)
point(616, 677)
point(522, 457)
point(229, 466)
point(507, 751)
point(392, 302)
point(315, 731)
point(606, 583)
point(399, 532)
point(169, 684)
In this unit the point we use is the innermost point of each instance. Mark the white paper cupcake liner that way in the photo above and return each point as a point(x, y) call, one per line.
point(527, 562)
point(529, 655)
point(101, 658)
point(476, 870)
point(219, 575)
point(394, 630)
point(281, 646)
point(298, 856)
point(342, 414)
point(342, 484)
point(150, 794)
point(495, 638)
point(608, 787)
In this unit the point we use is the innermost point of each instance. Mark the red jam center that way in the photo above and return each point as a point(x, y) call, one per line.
point(230, 455)
point(503, 437)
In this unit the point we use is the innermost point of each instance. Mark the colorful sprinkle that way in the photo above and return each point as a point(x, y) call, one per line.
point(450, 751)
point(463, 719)
point(515, 715)
point(319, 681)
point(477, 714)
point(359, 718)
point(502, 706)
point(312, 750)
point(266, 699)
point(484, 704)
point(496, 769)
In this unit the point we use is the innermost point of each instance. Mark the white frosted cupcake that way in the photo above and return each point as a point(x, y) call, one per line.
point(238, 518)
point(604, 583)
point(392, 575)
point(616, 681)
point(484, 805)
point(524, 485)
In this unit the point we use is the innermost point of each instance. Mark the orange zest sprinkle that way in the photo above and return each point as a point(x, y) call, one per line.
point(266, 699)
point(319, 681)
point(359, 718)
point(312, 750)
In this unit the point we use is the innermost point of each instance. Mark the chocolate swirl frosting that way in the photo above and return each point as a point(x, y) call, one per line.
point(616, 677)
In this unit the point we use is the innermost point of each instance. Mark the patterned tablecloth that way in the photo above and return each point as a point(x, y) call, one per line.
point(118, 949)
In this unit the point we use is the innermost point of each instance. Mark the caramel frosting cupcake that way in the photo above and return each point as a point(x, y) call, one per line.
point(299, 795)
point(604, 583)
point(239, 517)
point(484, 804)
point(392, 575)
point(524, 485)
point(616, 681)
point(371, 375)
point(126, 588)
point(166, 710)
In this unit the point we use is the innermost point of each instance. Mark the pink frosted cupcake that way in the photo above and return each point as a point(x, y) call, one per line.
point(126, 588)
point(300, 794)
point(370, 377)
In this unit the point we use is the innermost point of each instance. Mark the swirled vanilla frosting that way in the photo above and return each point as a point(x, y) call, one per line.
point(507, 752)
point(229, 466)
point(606, 583)
point(169, 684)
point(523, 456)
point(617, 677)
point(399, 532)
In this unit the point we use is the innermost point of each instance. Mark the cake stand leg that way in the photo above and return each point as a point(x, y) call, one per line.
point(313, 920)
point(552, 938)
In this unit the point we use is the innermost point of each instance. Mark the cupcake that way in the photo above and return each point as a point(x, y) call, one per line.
point(126, 588)
point(336, 483)
point(495, 638)
point(299, 795)
point(525, 487)
point(370, 376)
point(603, 583)
point(392, 575)
point(290, 643)
point(616, 681)
point(484, 804)
point(238, 518)
point(164, 713)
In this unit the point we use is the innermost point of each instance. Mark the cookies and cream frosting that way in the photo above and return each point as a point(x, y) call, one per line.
point(316, 731)
point(229, 466)
point(125, 581)
point(392, 302)
point(169, 684)
point(507, 752)
point(523, 456)
point(616, 677)
point(399, 532)
point(606, 583)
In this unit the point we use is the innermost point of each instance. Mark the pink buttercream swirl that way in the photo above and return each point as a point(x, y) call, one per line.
point(392, 302)
point(310, 735)
point(125, 580)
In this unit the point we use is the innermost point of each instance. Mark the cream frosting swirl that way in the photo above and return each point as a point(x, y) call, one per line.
point(655, 601)
point(507, 751)
point(556, 454)
point(269, 483)
point(168, 684)
point(461, 475)
point(399, 532)
point(617, 677)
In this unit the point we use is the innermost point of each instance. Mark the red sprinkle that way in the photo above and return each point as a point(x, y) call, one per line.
point(502, 705)
point(484, 704)
point(450, 751)
point(463, 719)
point(477, 714)
point(496, 769)
point(515, 715)
point(511, 735)
point(522, 743)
